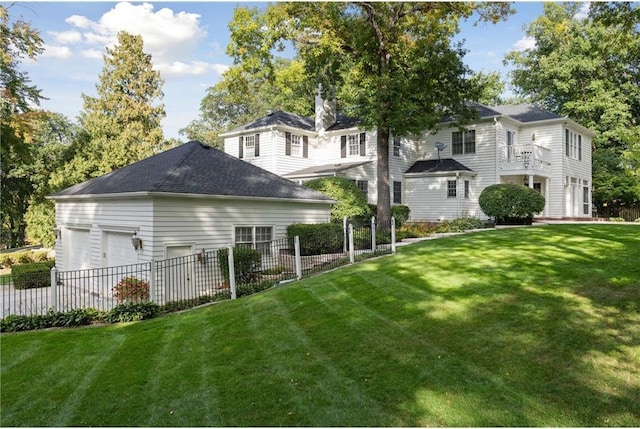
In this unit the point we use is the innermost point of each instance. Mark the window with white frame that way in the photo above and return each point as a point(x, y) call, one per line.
point(451, 188)
point(463, 142)
point(572, 144)
point(585, 197)
point(354, 144)
point(296, 145)
point(466, 189)
point(396, 146)
point(256, 237)
point(249, 146)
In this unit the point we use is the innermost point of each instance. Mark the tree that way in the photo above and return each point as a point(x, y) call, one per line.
point(49, 141)
point(350, 200)
point(241, 96)
point(489, 86)
point(123, 123)
point(589, 69)
point(392, 65)
point(18, 41)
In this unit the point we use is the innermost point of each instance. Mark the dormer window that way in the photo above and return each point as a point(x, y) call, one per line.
point(249, 146)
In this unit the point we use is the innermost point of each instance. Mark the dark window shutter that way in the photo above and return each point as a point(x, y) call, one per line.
point(343, 146)
point(257, 145)
point(241, 147)
point(305, 146)
point(363, 148)
point(287, 145)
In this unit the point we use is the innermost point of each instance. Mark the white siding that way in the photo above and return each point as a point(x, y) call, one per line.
point(209, 222)
point(100, 215)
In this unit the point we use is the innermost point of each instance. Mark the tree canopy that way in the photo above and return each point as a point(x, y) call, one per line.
point(393, 65)
point(589, 69)
point(17, 94)
point(122, 124)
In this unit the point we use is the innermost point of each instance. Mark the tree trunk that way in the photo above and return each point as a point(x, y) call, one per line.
point(384, 195)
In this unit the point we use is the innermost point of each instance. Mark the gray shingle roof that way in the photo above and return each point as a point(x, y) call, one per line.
point(526, 112)
point(437, 166)
point(194, 168)
point(326, 169)
point(280, 118)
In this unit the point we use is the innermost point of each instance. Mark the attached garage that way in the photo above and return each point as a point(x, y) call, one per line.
point(77, 252)
point(180, 201)
point(117, 249)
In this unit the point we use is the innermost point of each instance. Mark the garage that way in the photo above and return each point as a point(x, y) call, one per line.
point(77, 251)
point(117, 249)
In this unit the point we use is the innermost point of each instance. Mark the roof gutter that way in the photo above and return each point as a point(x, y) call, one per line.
point(146, 194)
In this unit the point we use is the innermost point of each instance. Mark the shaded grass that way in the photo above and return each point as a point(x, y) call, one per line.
point(521, 327)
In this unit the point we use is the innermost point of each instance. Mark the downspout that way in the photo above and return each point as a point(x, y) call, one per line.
point(274, 158)
point(458, 194)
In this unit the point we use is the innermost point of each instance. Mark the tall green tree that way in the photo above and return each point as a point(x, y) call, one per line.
point(589, 69)
point(50, 141)
point(122, 124)
point(241, 96)
point(18, 40)
point(391, 64)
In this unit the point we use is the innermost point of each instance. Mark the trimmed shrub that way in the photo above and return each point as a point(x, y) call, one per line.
point(246, 263)
point(510, 203)
point(351, 201)
point(247, 289)
point(131, 289)
point(317, 239)
point(27, 276)
point(7, 260)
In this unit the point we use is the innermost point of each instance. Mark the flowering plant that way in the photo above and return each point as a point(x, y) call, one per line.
point(131, 289)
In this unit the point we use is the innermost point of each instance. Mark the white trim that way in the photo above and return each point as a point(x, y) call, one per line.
point(119, 228)
point(140, 194)
point(82, 226)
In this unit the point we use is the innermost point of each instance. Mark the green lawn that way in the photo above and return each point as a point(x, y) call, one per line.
point(531, 326)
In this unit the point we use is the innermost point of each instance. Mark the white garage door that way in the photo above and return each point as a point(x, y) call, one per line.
point(118, 250)
point(77, 248)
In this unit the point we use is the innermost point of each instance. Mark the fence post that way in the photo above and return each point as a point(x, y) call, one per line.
point(351, 246)
point(296, 245)
point(153, 293)
point(232, 272)
point(54, 289)
point(344, 234)
point(393, 234)
point(373, 234)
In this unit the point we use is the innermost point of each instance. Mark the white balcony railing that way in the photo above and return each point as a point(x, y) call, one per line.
point(526, 156)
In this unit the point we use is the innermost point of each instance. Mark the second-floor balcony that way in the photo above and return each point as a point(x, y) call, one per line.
point(525, 159)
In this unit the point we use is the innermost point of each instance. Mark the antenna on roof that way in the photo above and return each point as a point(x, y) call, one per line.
point(440, 146)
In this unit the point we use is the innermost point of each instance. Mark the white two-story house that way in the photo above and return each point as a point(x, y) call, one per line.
point(439, 174)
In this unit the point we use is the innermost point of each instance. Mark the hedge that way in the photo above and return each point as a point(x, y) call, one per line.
point(317, 239)
point(246, 263)
point(27, 276)
point(510, 203)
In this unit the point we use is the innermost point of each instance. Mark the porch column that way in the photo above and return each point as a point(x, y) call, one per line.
point(531, 181)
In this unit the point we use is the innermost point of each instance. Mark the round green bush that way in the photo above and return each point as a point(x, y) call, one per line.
point(509, 203)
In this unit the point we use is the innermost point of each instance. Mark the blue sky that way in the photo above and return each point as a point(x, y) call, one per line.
point(187, 41)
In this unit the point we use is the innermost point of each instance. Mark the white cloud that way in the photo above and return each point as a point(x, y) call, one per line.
point(78, 21)
point(193, 68)
point(92, 54)
point(59, 52)
point(169, 37)
point(66, 37)
point(527, 42)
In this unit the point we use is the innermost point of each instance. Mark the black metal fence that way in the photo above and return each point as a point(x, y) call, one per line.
point(201, 277)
